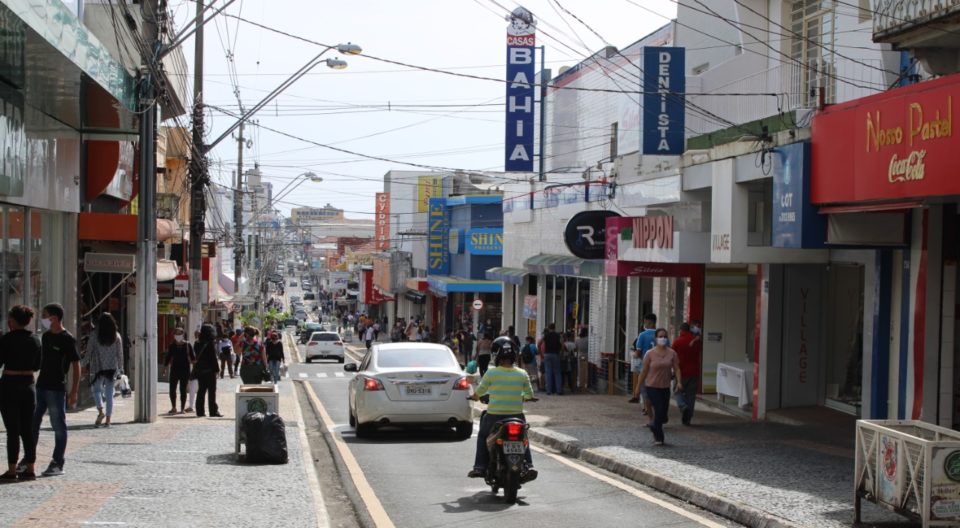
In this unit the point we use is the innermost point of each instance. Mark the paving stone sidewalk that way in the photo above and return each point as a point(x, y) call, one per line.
point(179, 471)
point(798, 473)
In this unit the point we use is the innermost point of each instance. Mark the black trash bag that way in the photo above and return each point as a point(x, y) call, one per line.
point(266, 438)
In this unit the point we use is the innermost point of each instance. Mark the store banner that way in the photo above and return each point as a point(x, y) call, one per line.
point(796, 223)
point(585, 234)
point(339, 280)
point(428, 187)
point(530, 307)
point(664, 84)
point(181, 290)
point(894, 145)
point(438, 238)
point(521, 42)
point(485, 241)
point(382, 222)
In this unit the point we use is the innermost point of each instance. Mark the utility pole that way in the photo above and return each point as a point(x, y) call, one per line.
point(145, 358)
point(238, 216)
point(198, 183)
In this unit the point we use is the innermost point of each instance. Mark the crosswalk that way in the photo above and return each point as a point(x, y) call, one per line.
point(321, 375)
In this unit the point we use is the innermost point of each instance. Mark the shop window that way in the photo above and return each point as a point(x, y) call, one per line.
point(760, 211)
point(12, 265)
point(845, 337)
point(812, 52)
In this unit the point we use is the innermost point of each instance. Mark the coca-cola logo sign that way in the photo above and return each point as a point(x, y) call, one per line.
point(585, 234)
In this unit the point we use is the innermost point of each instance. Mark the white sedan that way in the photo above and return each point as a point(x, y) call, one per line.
point(324, 345)
point(400, 384)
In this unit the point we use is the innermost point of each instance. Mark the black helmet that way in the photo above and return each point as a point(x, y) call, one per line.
point(503, 348)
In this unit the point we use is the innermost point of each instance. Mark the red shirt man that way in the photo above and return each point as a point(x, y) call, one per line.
point(689, 347)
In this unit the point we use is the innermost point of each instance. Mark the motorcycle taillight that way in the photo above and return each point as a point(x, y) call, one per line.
point(514, 430)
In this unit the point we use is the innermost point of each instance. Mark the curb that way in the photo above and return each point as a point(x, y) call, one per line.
point(730, 509)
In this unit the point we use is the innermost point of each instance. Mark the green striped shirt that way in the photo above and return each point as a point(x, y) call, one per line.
point(507, 388)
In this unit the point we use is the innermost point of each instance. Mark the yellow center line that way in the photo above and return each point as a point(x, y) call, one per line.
point(377, 513)
point(629, 489)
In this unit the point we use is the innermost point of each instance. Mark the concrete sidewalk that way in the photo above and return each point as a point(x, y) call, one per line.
point(178, 471)
point(797, 471)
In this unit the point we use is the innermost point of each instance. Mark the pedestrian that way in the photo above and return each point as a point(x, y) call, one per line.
point(583, 348)
point(253, 357)
point(19, 357)
point(275, 356)
point(466, 343)
point(483, 352)
point(528, 361)
point(59, 358)
point(368, 336)
point(178, 363)
point(689, 348)
point(207, 370)
point(660, 364)
point(235, 340)
point(569, 360)
point(105, 360)
point(643, 342)
point(552, 347)
point(227, 355)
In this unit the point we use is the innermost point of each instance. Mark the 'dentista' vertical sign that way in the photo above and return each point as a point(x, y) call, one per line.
point(521, 41)
point(664, 84)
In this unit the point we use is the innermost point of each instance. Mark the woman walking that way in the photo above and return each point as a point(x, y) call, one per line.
point(659, 365)
point(253, 357)
point(227, 357)
point(20, 358)
point(178, 362)
point(105, 359)
point(275, 356)
point(207, 370)
point(483, 352)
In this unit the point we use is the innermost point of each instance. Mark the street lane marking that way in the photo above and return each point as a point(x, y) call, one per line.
point(367, 495)
point(338, 374)
point(321, 374)
point(303, 374)
point(632, 491)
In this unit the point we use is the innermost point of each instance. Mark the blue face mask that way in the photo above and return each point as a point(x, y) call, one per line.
point(695, 330)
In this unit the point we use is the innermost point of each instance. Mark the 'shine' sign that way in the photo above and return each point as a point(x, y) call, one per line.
point(521, 39)
point(664, 84)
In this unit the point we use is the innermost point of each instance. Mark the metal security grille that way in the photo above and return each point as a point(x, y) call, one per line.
point(813, 50)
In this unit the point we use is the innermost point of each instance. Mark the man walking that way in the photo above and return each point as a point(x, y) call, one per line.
point(644, 342)
point(552, 345)
point(688, 346)
point(58, 355)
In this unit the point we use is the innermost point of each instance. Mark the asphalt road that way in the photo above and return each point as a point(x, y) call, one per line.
point(418, 477)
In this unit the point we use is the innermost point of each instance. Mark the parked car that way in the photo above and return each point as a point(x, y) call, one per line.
point(309, 296)
point(300, 314)
point(290, 323)
point(307, 330)
point(294, 299)
point(409, 384)
point(293, 283)
point(324, 345)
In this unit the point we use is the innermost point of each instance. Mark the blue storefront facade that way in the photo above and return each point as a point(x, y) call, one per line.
point(465, 238)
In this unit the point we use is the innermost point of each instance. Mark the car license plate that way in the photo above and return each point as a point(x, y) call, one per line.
point(418, 390)
point(513, 448)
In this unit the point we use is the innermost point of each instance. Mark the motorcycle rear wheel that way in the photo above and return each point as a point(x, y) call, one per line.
point(511, 484)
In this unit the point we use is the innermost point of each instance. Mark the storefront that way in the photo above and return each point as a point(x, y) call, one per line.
point(885, 178)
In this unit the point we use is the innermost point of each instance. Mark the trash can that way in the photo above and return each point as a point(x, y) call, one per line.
point(253, 398)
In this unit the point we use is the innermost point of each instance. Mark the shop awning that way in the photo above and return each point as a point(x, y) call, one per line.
point(119, 227)
point(415, 296)
point(508, 275)
point(563, 265)
point(167, 270)
point(442, 285)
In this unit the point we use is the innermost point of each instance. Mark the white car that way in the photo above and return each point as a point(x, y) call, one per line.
point(399, 384)
point(324, 345)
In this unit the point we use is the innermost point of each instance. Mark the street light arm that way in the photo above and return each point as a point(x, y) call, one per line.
point(184, 33)
point(269, 97)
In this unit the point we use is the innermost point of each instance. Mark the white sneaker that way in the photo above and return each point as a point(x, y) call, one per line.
point(53, 470)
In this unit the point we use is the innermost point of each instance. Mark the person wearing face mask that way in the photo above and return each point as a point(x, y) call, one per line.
point(180, 357)
point(59, 358)
point(660, 363)
point(688, 347)
point(275, 356)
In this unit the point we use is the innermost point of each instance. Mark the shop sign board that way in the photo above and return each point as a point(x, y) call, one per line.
point(530, 307)
point(894, 145)
point(382, 222)
point(796, 223)
point(664, 83)
point(485, 241)
point(656, 239)
point(586, 234)
point(339, 280)
point(521, 42)
point(438, 238)
point(109, 262)
point(655, 232)
point(428, 187)
point(181, 289)
point(165, 290)
point(945, 484)
point(615, 224)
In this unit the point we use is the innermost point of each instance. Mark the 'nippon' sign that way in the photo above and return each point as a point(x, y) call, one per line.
point(521, 39)
point(664, 85)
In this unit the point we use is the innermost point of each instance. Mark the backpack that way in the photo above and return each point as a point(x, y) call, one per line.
point(527, 354)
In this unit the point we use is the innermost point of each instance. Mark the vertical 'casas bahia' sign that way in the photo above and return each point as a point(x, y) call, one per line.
point(521, 42)
point(664, 87)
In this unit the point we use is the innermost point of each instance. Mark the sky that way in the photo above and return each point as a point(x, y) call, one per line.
point(374, 108)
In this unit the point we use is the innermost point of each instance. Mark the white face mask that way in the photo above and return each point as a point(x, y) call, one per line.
point(178, 338)
point(695, 330)
point(662, 341)
point(46, 323)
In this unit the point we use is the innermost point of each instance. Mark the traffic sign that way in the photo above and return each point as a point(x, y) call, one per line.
point(477, 304)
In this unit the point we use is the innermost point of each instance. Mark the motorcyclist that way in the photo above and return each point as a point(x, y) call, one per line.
point(508, 387)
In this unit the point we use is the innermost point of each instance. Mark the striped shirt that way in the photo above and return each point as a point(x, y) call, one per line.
point(507, 388)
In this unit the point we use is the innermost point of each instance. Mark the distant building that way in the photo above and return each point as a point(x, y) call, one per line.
point(311, 215)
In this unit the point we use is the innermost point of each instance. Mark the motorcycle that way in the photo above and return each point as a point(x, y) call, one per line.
point(507, 444)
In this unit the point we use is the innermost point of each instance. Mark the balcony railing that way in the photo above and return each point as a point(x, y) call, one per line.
point(896, 16)
point(797, 87)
